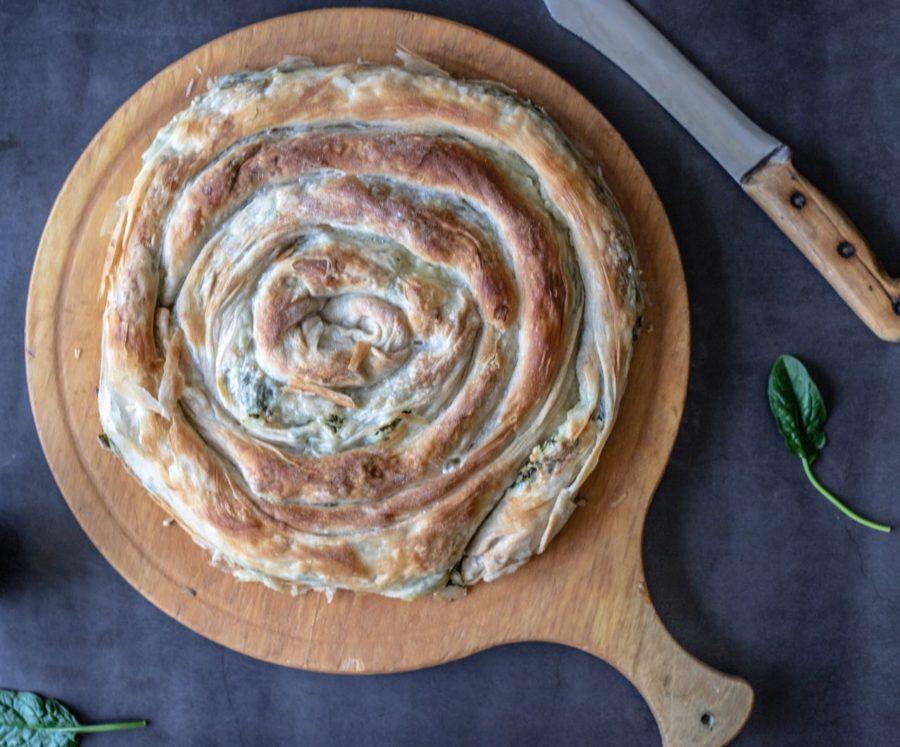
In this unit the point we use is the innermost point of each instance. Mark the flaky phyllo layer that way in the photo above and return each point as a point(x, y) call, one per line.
point(366, 327)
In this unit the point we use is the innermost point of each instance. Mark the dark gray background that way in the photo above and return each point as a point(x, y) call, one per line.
point(750, 569)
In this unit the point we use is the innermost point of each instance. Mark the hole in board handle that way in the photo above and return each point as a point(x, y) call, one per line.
point(708, 720)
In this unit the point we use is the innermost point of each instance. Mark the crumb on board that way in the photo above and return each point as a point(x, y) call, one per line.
point(642, 590)
point(198, 69)
point(111, 219)
point(190, 87)
point(618, 499)
point(451, 592)
point(167, 522)
point(352, 664)
point(77, 353)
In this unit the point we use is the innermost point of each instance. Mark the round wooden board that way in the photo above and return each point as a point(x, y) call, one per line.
point(587, 591)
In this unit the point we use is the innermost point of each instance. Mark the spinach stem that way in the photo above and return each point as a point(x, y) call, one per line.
point(838, 504)
point(93, 728)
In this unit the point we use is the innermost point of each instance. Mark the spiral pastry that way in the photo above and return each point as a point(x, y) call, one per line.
point(366, 327)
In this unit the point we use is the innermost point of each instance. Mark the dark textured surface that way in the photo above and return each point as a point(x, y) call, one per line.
point(751, 571)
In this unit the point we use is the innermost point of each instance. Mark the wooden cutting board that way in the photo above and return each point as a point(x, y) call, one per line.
point(587, 591)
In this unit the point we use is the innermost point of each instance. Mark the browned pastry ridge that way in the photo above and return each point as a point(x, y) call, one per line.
point(366, 327)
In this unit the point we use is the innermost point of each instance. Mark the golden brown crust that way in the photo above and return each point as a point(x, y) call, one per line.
point(365, 326)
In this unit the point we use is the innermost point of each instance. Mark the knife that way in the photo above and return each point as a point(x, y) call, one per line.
point(760, 163)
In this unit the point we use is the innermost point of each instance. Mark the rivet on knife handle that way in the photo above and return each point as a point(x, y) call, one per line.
point(828, 239)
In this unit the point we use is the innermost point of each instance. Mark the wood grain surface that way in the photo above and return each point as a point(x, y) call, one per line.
point(829, 240)
point(586, 591)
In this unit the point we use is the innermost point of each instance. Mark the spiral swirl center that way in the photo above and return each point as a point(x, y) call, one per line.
point(321, 343)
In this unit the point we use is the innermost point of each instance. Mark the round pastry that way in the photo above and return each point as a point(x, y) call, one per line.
point(366, 327)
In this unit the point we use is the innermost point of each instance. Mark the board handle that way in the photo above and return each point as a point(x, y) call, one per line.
point(692, 703)
point(829, 240)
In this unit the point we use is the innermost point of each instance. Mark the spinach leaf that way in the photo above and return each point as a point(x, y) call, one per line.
point(800, 415)
point(29, 720)
point(798, 407)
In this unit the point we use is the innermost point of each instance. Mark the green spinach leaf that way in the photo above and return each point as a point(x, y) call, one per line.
point(800, 415)
point(29, 720)
point(798, 407)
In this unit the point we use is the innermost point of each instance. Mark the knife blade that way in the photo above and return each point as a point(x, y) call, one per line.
point(627, 39)
point(759, 162)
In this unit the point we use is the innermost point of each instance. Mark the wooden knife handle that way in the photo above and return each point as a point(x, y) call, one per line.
point(829, 240)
